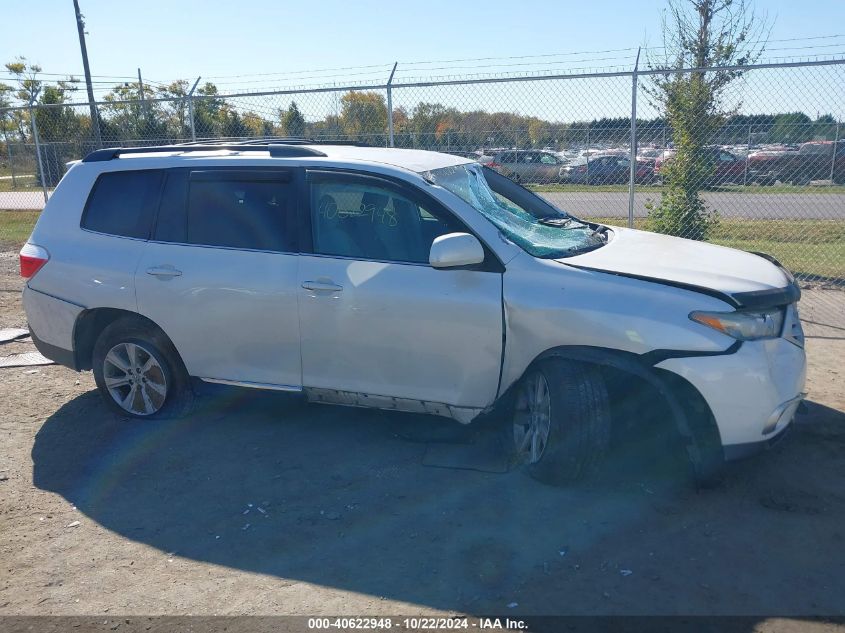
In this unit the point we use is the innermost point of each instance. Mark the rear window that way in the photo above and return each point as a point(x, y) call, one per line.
point(123, 203)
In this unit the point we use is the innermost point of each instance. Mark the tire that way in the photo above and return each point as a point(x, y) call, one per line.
point(162, 391)
point(578, 430)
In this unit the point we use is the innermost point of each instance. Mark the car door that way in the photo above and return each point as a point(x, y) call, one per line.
point(549, 168)
point(220, 274)
point(520, 168)
point(375, 317)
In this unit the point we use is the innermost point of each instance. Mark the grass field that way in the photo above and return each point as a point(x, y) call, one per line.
point(810, 248)
point(15, 227)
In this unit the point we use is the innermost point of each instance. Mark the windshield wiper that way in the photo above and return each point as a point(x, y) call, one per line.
point(557, 221)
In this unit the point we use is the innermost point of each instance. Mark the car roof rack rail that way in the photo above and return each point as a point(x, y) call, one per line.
point(298, 140)
point(276, 150)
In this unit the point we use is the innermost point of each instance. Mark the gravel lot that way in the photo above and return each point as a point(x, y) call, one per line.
point(102, 516)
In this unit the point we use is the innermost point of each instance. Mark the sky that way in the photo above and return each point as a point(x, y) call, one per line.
point(259, 44)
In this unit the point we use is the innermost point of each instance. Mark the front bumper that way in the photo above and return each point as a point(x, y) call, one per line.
point(752, 393)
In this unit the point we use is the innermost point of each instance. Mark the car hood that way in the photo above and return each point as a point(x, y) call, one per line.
point(743, 279)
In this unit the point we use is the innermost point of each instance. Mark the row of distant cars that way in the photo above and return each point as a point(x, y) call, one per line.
point(797, 165)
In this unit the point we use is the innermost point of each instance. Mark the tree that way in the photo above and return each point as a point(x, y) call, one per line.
point(824, 127)
point(175, 109)
point(793, 127)
point(257, 125)
point(364, 114)
point(126, 118)
point(718, 34)
point(292, 121)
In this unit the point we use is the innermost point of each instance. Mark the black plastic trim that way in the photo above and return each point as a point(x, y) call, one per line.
point(276, 150)
point(656, 356)
point(59, 355)
point(723, 296)
point(761, 299)
point(753, 300)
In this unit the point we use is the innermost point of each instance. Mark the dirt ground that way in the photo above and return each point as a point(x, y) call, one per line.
point(260, 504)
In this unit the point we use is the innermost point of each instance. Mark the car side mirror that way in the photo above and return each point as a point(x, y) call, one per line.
point(455, 250)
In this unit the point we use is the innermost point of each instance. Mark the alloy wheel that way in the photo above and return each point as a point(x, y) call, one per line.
point(135, 379)
point(532, 419)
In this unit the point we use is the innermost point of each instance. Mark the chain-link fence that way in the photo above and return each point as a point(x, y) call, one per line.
point(765, 172)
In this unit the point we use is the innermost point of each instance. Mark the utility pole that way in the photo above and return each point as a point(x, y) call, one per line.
point(144, 113)
point(632, 176)
point(95, 117)
point(141, 90)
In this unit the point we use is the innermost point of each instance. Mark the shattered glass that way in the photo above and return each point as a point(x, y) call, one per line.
point(535, 231)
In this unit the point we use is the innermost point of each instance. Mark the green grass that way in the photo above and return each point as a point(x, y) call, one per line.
point(655, 189)
point(15, 227)
point(809, 248)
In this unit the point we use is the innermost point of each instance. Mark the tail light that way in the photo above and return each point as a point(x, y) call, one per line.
point(33, 259)
point(493, 164)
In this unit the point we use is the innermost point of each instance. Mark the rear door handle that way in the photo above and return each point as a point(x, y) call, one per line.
point(164, 271)
point(321, 286)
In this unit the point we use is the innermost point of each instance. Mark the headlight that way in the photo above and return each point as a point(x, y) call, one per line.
point(744, 326)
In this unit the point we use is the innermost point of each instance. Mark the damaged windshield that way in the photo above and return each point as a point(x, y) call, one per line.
point(524, 218)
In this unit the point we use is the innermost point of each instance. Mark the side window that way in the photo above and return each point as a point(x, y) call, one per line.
point(362, 219)
point(548, 159)
point(123, 203)
point(252, 209)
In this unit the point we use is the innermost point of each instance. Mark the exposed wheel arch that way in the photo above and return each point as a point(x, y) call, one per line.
point(691, 415)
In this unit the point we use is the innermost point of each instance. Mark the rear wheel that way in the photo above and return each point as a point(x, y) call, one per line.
point(139, 373)
point(561, 421)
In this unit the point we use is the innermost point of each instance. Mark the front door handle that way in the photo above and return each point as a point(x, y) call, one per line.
point(321, 286)
point(164, 272)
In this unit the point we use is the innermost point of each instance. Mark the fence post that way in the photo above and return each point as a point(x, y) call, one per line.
point(9, 154)
point(390, 106)
point(191, 109)
point(633, 159)
point(747, 152)
point(41, 173)
point(833, 156)
point(587, 152)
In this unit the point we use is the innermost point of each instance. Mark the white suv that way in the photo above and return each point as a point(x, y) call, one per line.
point(407, 280)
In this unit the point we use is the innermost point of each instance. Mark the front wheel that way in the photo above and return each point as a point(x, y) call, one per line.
point(561, 421)
point(139, 373)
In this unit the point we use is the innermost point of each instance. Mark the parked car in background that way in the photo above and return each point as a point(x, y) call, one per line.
point(816, 160)
point(606, 169)
point(534, 166)
point(727, 168)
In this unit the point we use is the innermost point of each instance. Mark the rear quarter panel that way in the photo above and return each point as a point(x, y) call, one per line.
point(86, 268)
